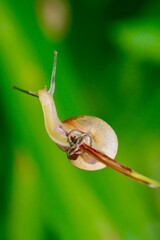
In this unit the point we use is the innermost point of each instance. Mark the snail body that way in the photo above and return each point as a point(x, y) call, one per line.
point(103, 136)
point(90, 143)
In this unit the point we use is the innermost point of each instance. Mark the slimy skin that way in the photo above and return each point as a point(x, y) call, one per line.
point(103, 137)
point(104, 141)
point(91, 155)
point(53, 125)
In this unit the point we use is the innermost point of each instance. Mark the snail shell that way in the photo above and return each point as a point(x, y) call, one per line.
point(103, 137)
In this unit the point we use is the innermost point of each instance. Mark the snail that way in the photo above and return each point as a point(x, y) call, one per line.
point(90, 143)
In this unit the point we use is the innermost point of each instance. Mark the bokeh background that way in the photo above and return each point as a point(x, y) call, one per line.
point(108, 66)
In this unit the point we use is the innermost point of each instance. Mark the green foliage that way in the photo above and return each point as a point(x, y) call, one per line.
point(108, 66)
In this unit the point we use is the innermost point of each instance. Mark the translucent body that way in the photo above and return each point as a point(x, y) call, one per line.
point(90, 143)
point(103, 136)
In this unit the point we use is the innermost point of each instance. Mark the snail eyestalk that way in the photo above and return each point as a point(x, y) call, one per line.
point(25, 91)
point(52, 85)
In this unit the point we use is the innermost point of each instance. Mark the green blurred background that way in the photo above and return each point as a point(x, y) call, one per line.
point(108, 66)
